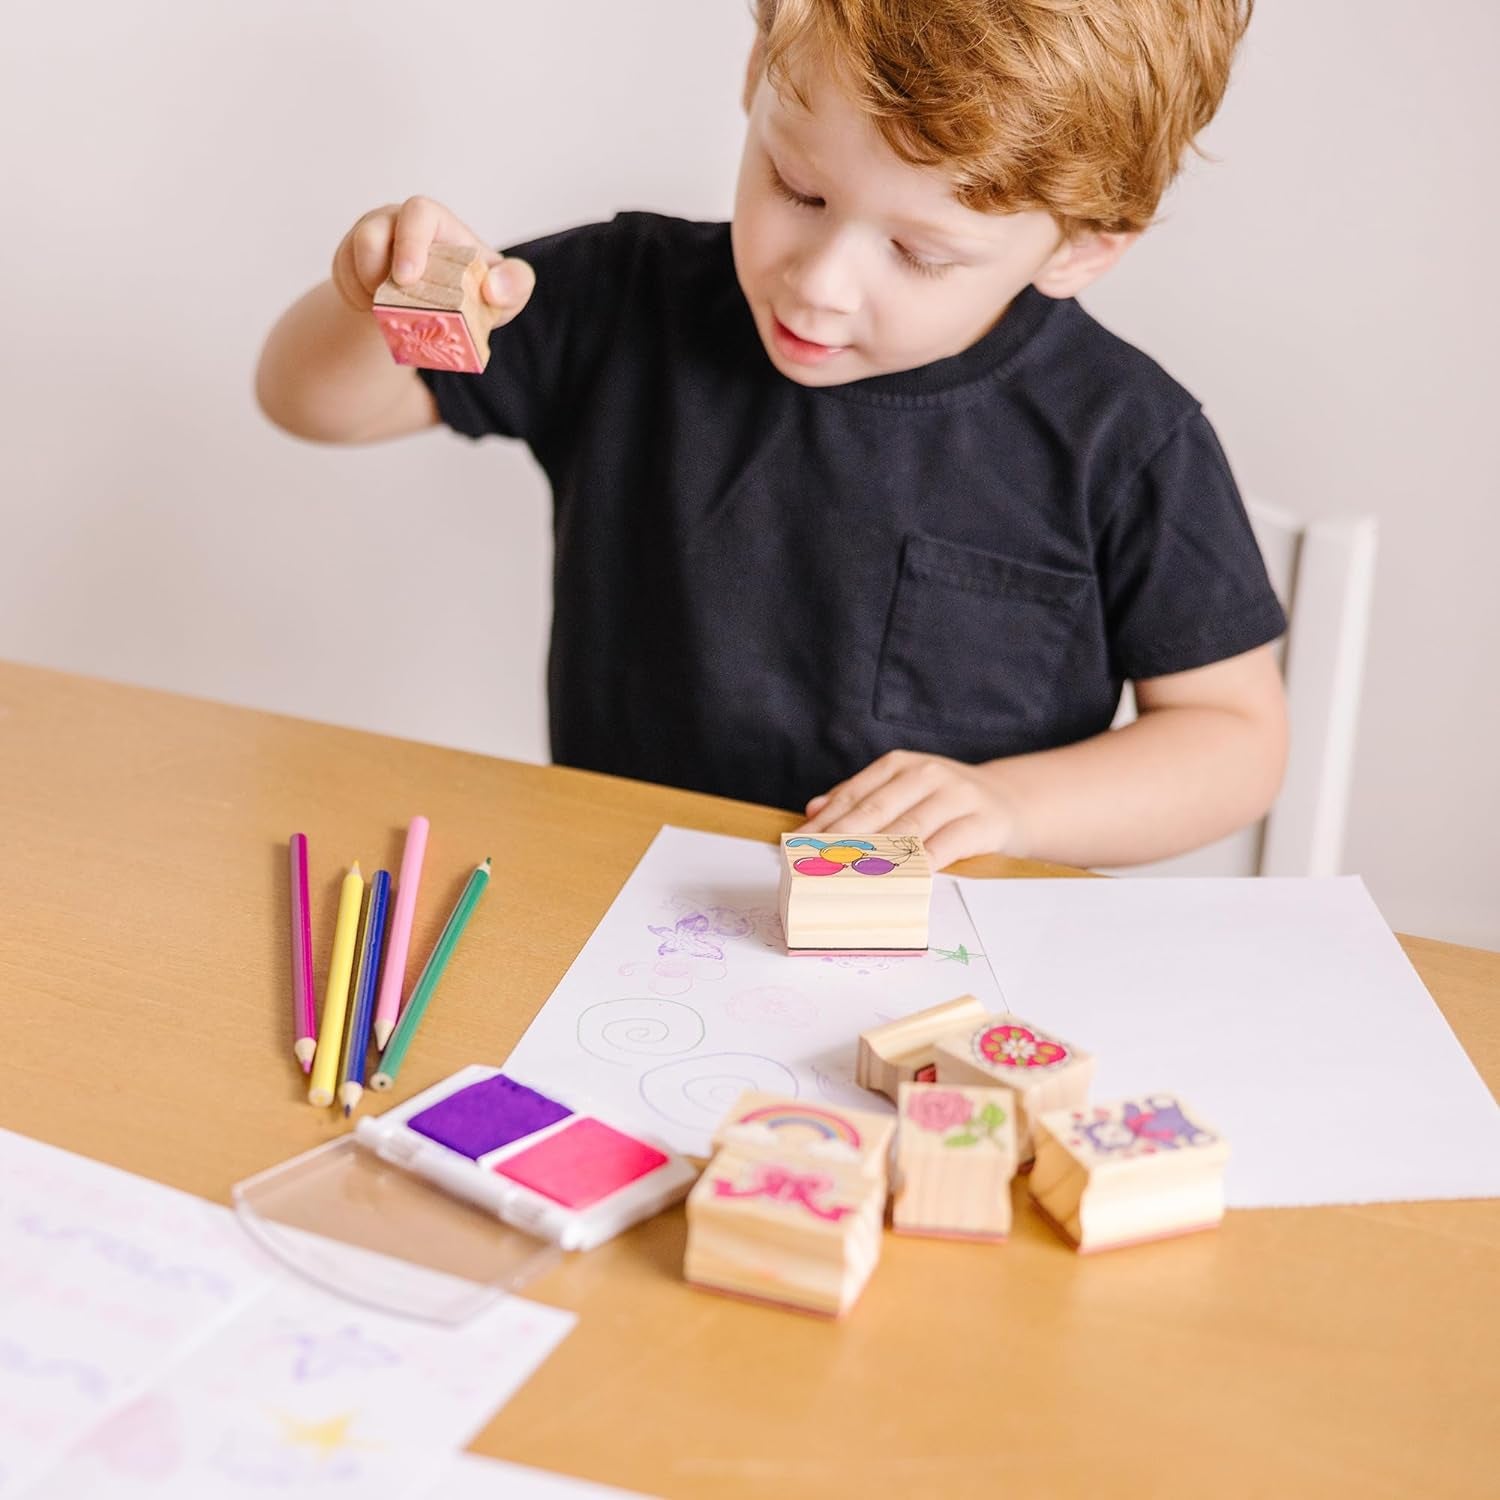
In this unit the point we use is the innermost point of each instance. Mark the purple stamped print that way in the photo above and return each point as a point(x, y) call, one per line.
point(1138, 1129)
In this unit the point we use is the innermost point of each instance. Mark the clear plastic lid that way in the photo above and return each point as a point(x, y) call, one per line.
point(380, 1235)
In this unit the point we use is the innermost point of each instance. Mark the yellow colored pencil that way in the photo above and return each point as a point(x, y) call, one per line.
point(325, 1068)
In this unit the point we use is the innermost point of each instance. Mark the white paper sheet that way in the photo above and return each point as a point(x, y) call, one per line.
point(471, 1477)
point(98, 1298)
point(684, 996)
point(1284, 1010)
point(309, 1395)
point(149, 1349)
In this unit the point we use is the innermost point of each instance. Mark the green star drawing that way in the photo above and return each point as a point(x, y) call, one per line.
point(959, 955)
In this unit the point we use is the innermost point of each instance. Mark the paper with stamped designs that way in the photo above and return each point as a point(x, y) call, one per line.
point(148, 1348)
point(1283, 1009)
point(684, 996)
point(108, 1280)
point(310, 1395)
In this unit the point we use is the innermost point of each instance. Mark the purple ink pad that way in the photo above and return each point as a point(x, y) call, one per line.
point(486, 1116)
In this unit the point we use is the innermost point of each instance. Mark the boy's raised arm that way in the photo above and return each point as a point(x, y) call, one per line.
point(325, 372)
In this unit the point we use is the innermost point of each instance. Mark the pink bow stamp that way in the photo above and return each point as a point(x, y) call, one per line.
point(782, 1185)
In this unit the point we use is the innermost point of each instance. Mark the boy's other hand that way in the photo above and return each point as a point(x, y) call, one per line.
point(393, 241)
point(957, 810)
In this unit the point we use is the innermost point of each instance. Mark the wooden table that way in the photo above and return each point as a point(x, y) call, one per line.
point(144, 995)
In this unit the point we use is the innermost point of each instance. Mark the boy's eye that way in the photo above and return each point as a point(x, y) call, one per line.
point(783, 190)
point(921, 267)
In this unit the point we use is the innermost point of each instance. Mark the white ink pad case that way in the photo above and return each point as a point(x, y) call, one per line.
point(534, 1161)
point(466, 1191)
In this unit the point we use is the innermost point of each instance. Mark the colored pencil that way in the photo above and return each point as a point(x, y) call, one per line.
point(388, 1008)
point(361, 1012)
point(325, 1068)
point(432, 971)
point(304, 1006)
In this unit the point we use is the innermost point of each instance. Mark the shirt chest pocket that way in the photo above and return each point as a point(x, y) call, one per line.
point(978, 641)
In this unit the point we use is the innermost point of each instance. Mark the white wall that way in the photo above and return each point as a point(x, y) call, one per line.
point(175, 174)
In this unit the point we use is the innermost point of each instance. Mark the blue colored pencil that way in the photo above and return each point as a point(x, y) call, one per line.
point(362, 1012)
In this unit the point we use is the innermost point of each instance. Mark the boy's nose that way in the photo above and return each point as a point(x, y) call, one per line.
point(823, 277)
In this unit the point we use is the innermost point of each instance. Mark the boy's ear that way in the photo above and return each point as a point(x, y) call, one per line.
point(754, 69)
point(1077, 262)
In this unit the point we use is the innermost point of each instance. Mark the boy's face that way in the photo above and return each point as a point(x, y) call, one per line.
point(856, 263)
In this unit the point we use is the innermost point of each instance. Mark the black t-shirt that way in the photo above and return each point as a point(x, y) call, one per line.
point(760, 587)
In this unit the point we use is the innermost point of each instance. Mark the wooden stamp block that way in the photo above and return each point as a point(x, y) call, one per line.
point(855, 895)
point(778, 1232)
point(1118, 1174)
point(905, 1051)
point(439, 322)
point(955, 1157)
point(770, 1127)
point(1043, 1072)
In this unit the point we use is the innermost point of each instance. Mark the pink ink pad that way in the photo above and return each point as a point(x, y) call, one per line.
point(581, 1163)
point(488, 1115)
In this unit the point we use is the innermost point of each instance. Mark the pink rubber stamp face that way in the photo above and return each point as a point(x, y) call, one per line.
point(429, 340)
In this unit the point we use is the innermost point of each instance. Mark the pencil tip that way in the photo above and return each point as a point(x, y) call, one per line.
point(348, 1110)
point(354, 868)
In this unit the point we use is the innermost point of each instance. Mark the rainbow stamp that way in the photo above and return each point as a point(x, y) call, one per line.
point(767, 1127)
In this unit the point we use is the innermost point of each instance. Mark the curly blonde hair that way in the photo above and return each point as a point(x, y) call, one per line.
point(1081, 108)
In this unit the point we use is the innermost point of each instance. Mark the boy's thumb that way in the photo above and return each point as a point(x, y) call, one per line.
point(508, 285)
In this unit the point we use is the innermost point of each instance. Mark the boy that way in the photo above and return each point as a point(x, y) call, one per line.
point(853, 502)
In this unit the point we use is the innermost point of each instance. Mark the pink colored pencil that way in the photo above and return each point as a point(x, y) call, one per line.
point(304, 1006)
point(393, 980)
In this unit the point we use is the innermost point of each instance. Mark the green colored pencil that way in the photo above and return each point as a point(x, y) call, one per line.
point(432, 971)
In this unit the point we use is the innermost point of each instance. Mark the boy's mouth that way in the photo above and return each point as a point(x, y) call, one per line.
point(800, 350)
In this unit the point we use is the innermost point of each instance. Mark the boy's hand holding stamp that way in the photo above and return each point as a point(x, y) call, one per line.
point(393, 242)
point(957, 810)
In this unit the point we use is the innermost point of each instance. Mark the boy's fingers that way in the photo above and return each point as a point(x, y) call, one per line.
point(934, 811)
point(370, 246)
point(508, 287)
point(839, 802)
point(818, 817)
point(836, 803)
point(957, 840)
point(878, 810)
point(417, 224)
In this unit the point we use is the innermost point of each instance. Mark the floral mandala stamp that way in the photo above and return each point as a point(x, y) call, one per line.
point(1010, 1046)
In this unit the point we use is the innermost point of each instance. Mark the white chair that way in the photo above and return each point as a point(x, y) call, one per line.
point(1324, 573)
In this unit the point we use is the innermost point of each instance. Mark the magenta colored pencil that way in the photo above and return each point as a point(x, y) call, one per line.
point(304, 1006)
point(393, 979)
